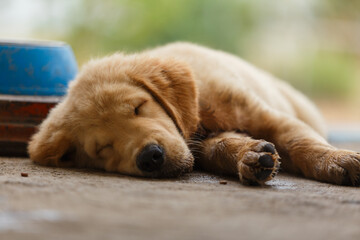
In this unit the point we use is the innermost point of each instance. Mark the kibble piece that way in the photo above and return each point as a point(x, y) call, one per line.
point(24, 174)
point(223, 182)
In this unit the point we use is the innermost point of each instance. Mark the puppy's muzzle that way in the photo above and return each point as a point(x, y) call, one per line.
point(151, 158)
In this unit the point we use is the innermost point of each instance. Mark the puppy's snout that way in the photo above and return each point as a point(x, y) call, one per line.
point(151, 158)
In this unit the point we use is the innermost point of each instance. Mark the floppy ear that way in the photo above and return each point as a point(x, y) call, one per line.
point(172, 84)
point(51, 145)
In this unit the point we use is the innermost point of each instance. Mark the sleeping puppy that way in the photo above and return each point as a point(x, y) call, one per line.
point(158, 112)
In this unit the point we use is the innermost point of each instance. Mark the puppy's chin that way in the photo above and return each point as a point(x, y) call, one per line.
point(173, 169)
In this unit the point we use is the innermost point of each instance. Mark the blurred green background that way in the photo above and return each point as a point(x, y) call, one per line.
point(313, 44)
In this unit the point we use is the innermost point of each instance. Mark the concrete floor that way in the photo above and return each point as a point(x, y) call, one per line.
point(83, 204)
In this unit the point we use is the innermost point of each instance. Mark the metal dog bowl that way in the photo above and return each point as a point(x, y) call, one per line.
point(33, 77)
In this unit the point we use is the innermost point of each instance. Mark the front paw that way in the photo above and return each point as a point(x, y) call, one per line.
point(258, 164)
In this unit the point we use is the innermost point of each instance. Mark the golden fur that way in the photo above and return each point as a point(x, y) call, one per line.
point(191, 101)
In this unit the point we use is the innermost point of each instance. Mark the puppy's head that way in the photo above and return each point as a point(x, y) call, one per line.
point(129, 114)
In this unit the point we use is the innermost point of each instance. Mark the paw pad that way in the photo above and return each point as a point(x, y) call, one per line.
point(264, 174)
point(259, 164)
point(266, 161)
point(269, 148)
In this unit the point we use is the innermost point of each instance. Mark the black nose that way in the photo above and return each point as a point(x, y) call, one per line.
point(150, 158)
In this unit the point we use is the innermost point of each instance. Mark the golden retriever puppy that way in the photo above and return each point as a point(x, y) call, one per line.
point(157, 112)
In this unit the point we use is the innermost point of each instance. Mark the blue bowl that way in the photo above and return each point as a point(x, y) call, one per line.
point(41, 68)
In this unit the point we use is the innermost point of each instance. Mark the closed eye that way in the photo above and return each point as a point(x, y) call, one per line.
point(103, 148)
point(137, 108)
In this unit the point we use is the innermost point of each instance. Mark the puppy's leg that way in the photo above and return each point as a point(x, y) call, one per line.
point(302, 149)
point(255, 161)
